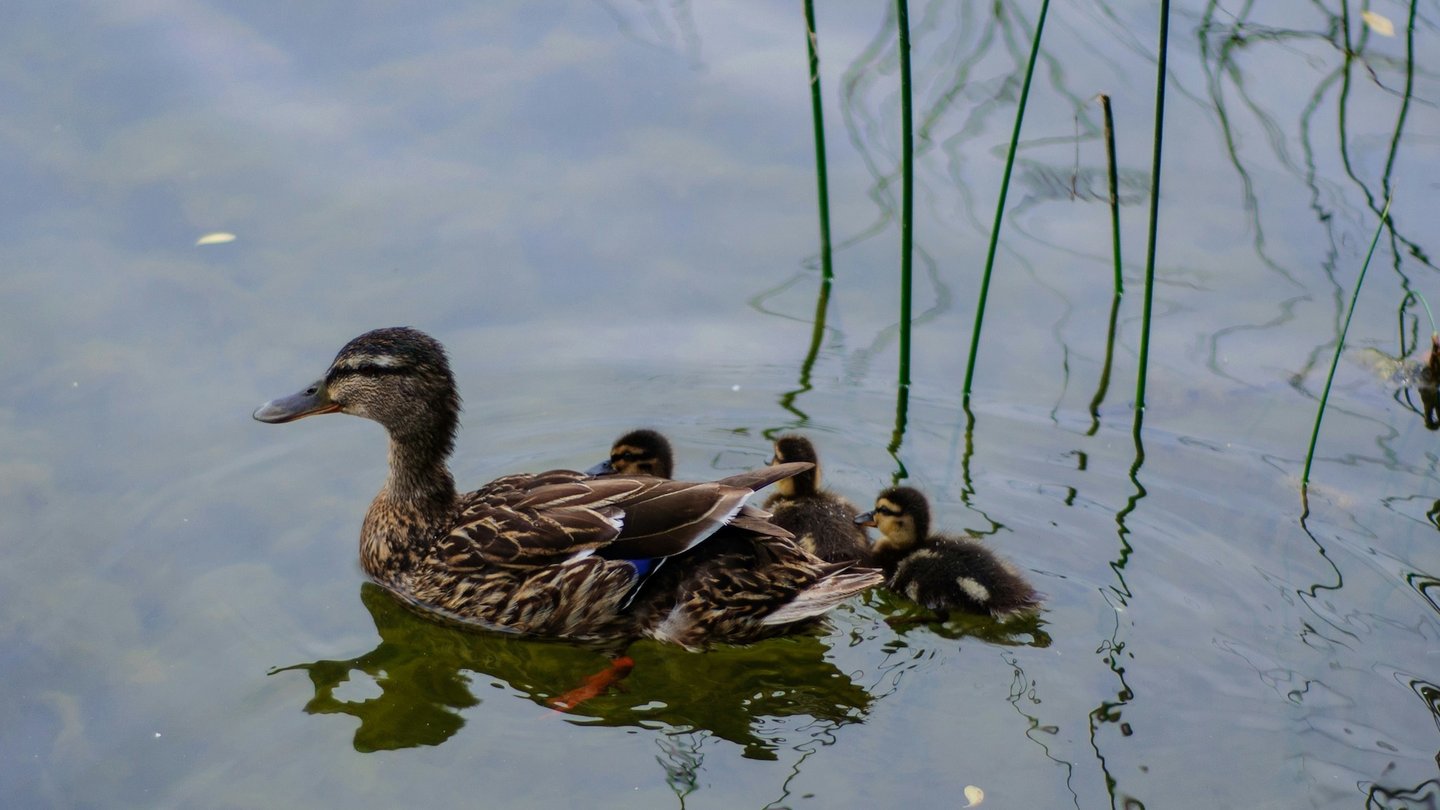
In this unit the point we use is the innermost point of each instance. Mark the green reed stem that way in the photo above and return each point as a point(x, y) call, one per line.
point(818, 118)
point(1114, 193)
point(1339, 346)
point(1160, 73)
point(907, 187)
point(1000, 204)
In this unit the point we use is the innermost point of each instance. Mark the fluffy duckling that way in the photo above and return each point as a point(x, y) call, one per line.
point(639, 452)
point(560, 553)
point(822, 522)
point(941, 572)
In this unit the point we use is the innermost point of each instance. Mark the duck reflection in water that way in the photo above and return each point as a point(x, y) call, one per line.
point(424, 672)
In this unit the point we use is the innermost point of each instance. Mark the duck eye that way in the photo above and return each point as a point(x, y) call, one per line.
point(310, 392)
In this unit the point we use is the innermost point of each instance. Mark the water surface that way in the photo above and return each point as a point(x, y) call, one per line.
point(607, 212)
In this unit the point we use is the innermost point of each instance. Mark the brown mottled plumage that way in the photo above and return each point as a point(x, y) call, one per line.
point(734, 564)
point(941, 572)
point(823, 523)
point(556, 553)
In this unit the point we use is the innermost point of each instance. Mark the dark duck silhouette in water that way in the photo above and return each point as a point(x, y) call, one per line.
point(559, 553)
point(941, 572)
point(823, 523)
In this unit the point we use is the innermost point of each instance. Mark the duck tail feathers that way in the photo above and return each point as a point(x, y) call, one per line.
point(757, 520)
point(826, 594)
point(765, 476)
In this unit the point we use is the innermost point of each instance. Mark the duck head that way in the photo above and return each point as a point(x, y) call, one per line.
point(902, 515)
point(639, 452)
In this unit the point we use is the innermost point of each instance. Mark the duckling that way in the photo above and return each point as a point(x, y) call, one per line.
point(823, 523)
point(558, 553)
point(639, 452)
point(941, 572)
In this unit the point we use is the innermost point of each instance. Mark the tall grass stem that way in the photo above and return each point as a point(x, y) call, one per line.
point(1000, 203)
point(817, 116)
point(1114, 193)
point(1160, 72)
point(907, 187)
point(1340, 346)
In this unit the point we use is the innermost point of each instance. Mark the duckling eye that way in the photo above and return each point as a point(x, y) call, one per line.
point(311, 391)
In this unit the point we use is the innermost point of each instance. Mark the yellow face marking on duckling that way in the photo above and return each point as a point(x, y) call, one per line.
point(896, 527)
point(628, 459)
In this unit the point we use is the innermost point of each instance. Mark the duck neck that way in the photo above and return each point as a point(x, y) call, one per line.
point(417, 498)
point(800, 485)
point(418, 471)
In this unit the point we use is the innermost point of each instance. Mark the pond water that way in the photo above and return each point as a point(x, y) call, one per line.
point(607, 211)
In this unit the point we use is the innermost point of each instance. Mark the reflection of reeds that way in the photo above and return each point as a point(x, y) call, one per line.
point(1104, 384)
point(1000, 203)
point(1339, 346)
point(1227, 37)
point(1414, 338)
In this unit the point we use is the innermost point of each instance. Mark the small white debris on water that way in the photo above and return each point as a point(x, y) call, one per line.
point(974, 795)
point(734, 388)
point(157, 735)
point(216, 238)
point(1378, 23)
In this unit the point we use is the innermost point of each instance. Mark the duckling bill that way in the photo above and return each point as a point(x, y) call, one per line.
point(942, 572)
point(560, 553)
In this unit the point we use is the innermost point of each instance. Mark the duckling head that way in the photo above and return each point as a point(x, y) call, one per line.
point(903, 517)
point(794, 447)
point(399, 377)
point(639, 452)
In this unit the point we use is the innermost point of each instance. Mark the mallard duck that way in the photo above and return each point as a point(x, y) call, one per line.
point(941, 572)
point(559, 553)
point(639, 452)
point(823, 523)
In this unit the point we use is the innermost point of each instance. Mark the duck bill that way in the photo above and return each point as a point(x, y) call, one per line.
point(603, 468)
point(865, 519)
point(308, 402)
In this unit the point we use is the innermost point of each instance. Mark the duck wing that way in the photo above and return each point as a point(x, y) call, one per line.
point(545, 519)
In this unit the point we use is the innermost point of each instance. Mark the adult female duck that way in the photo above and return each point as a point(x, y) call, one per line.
point(559, 553)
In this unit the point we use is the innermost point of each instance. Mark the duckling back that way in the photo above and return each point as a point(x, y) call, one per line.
point(948, 573)
point(823, 524)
